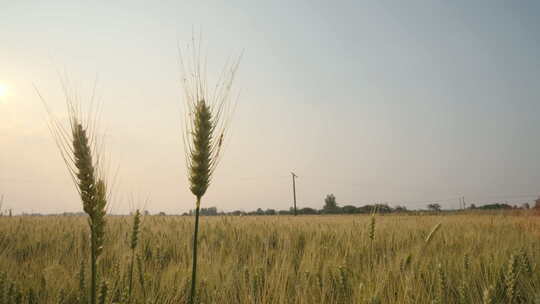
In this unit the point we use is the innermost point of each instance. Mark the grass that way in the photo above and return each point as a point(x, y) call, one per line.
point(282, 259)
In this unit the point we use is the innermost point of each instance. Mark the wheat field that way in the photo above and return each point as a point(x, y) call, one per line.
point(472, 258)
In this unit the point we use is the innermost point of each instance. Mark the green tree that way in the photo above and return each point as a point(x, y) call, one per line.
point(330, 205)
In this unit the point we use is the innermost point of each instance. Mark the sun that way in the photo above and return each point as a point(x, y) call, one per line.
point(3, 90)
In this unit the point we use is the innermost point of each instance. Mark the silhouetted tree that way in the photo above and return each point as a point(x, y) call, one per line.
point(307, 210)
point(434, 207)
point(270, 212)
point(211, 211)
point(381, 208)
point(495, 206)
point(349, 209)
point(330, 205)
point(400, 209)
point(238, 212)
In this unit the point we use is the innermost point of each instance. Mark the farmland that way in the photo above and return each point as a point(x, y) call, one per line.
point(468, 258)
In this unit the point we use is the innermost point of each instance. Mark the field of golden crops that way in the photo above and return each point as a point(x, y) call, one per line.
point(473, 258)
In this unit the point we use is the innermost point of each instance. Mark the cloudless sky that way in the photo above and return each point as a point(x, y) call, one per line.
point(404, 102)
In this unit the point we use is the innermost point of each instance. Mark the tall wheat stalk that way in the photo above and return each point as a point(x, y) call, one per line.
point(207, 116)
point(80, 151)
point(431, 234)
point(133, 246)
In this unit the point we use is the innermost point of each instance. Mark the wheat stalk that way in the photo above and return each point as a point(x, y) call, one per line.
point(103, 293)
point(371, 231)
point(80, 151)
point(511, 278)
point(207, 116)
point(488, 295)
point(133, 246)
point(431, 234)
point(141, 275)
point(82, 286)
point(442, 282)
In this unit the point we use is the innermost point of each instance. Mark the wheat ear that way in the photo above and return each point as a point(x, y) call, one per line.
point(207, 116)
point(80, 151)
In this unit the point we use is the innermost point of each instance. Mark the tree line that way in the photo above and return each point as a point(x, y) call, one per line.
point(331, 207)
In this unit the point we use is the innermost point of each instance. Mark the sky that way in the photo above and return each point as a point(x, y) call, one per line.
point(398, 102)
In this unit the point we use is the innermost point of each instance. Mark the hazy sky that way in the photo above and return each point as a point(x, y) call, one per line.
point(401, 102)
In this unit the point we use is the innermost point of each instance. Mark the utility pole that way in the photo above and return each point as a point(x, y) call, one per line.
point(294, 176)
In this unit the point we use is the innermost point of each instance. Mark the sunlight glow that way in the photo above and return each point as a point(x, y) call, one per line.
point(3, 90)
